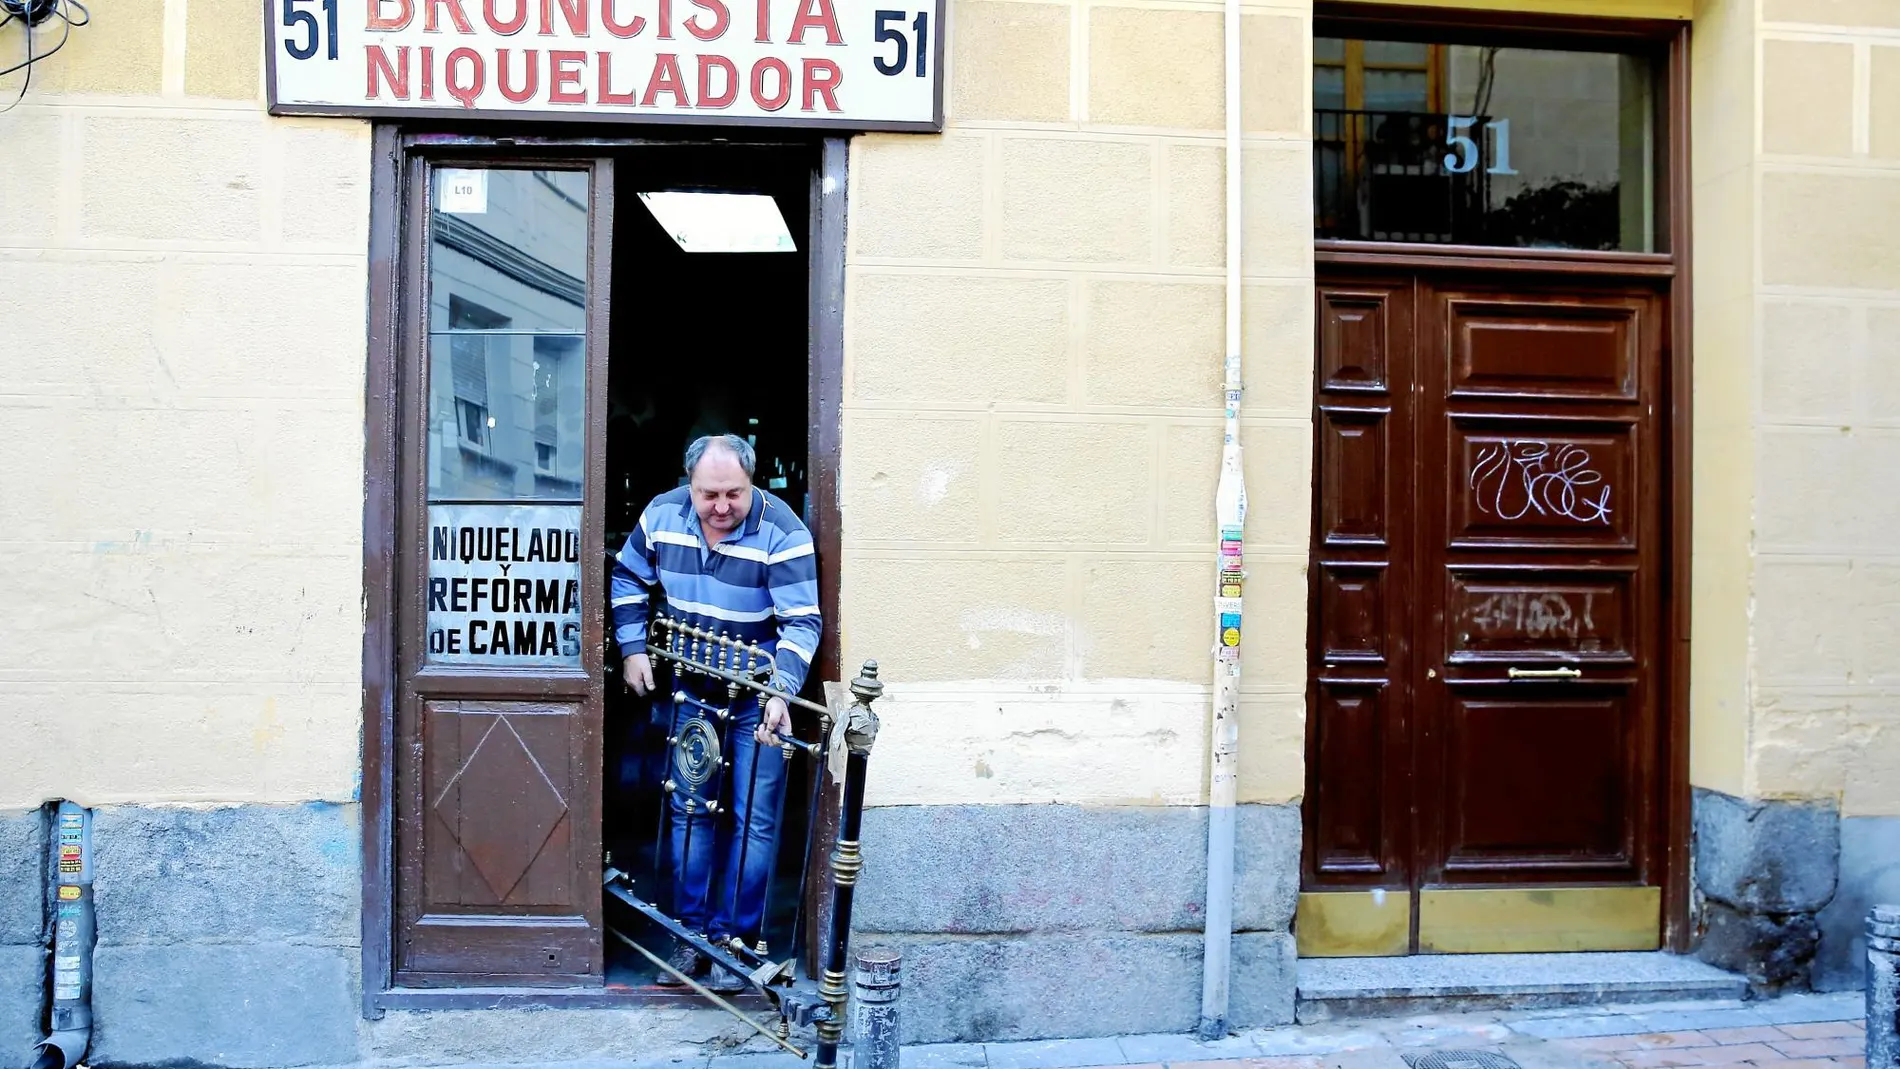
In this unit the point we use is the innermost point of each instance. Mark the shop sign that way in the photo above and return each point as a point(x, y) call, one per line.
point(848, 64)
point(504, 585)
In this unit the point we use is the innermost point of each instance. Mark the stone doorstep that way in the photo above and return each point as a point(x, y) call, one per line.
point(1357, 988)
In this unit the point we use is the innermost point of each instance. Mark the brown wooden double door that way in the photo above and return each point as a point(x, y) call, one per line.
point(1485, 746)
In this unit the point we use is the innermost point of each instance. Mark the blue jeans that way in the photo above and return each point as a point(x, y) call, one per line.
point(722, 863)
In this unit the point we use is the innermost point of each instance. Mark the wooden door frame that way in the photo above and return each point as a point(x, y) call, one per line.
point(1670, 41)
point(392, 313)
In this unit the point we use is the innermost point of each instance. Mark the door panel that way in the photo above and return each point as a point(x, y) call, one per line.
point(1356, 840)
point(1485, 577)
point(1532, 349)
point(1509, 807)
point(1358, 831)
point(1528, 613)
point(507, 787)
point(1357, 492)
point(1535, 761)
point(1527, 482)
point(498, 757)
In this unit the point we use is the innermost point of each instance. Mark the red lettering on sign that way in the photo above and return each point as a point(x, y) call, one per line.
point(564, 82)
point(666, 79)
point(505, 27)
point(432, 8)
point(397, 80)
point(522, 95)
point(665, 32)
point(608, 96)
point(630, 28)
point(377, 23)
point(816, 13)
point(724, 98)
point(763, 23)
point(721, 19)
point(428, 73)
point(469, 63)
point(784, 94)
point(821, 79)
point(574, 11)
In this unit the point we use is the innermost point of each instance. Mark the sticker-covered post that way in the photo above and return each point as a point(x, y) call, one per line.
point(1230, 514)
point(73, 934)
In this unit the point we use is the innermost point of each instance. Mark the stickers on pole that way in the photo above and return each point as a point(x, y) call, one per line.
point(504, 585)
point(1231, 578)
point(72, 840)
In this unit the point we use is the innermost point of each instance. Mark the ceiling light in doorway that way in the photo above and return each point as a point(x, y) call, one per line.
point(721, 222)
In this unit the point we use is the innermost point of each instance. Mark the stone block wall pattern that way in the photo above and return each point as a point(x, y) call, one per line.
point(229, 936)
point(184, 469)
point(1765, 871)
point(24, 935)
point(1870, 876)
point(1033, 407)
point(1057, 920)
point(1797, 221)
point(1796, 671)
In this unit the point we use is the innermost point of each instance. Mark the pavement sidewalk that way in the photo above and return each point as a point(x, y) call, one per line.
point(1792, 1032)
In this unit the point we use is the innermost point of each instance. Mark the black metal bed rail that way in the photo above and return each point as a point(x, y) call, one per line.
point(700, 745)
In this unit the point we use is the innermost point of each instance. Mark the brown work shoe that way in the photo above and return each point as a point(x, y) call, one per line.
point(725, 981)
point(684, 958)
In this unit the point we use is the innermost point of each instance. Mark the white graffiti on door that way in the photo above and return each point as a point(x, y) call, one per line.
point(1513, 479)
point(1532, 614)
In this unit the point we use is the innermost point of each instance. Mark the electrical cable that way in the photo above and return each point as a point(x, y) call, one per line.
point(61, 9)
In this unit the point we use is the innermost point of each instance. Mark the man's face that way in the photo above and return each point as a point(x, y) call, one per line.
point(721, 492)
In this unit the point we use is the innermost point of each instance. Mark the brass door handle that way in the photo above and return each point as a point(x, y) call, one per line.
point(1544, 673)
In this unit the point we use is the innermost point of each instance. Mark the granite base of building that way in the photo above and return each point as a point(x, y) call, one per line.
point(1870, 875)
point(1765, 872)
point(1041, 921)
point(24, 861)
point(230, 937)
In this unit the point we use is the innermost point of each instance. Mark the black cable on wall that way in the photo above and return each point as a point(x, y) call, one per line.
point(32, 14)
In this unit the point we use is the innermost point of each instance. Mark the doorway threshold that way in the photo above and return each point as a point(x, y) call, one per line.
point(1335, 988)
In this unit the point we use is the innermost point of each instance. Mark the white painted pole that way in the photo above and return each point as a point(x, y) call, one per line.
point(1230, 508)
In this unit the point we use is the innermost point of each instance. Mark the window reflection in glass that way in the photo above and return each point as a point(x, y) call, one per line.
point(507, 333)
point(1462, 144)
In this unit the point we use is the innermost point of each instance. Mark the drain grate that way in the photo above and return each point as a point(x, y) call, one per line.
point(1459, 1059)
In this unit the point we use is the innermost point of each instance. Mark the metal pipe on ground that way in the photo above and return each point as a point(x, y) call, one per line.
point(73, 936)
point(874, 1019)
point(1883, 988)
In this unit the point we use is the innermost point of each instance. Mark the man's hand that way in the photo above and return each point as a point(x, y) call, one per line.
point(776, 721)
point(637, 673)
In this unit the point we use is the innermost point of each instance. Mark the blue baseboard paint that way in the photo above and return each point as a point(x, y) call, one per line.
point(1870, 875)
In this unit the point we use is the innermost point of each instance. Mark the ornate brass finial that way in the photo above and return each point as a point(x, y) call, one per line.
point(867, 688)
point(860, 726)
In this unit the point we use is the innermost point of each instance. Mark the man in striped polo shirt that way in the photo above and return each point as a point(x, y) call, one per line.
point(728, 557)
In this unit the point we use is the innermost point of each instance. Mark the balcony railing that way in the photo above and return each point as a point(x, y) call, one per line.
point(1400, 176)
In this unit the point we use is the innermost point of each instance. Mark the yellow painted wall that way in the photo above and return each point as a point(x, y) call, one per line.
point(181, 421)
point(1797, 635)
point(1032, 416)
